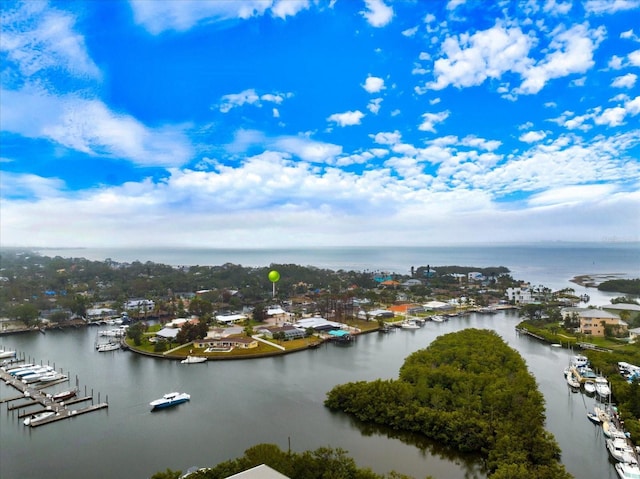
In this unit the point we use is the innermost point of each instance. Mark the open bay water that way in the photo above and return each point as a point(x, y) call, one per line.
point(237, 404)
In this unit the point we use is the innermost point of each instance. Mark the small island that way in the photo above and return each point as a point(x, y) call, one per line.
point(468, 390)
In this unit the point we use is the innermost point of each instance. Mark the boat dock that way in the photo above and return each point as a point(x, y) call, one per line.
point(33, 399)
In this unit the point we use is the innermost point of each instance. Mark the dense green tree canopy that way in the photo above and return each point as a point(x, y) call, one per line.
point(468, 390)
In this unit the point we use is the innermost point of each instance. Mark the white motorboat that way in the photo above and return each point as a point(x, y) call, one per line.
point(111, 346)
point(7, 354)
point(438, 319)
point(579, 361)
point(52, 376)
point(628, 471)
point(193, 360)
point(409, 324)
point(589, 387)
point(34, 418)
point(621, 451)
point(602, 387)
point(169, 400)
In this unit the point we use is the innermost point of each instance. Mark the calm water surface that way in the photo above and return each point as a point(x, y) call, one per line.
point(237, 404)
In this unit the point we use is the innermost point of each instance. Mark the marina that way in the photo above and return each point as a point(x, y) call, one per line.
point(31, 381)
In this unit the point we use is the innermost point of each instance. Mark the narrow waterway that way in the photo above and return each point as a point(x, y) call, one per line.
point(237, 404)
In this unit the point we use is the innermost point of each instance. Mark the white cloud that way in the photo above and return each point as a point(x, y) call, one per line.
point(15, 185)
point(616, 62)
point(374, 105)
point(571, 52)
point(387, 138)
point(634, 58)
point(453, 4)
point(429, 120)
point(89, 126)
point(410, 32)
point(600, 7)
point(373, 84)
point(275, 112)
point(469, 60)
point(611, 117)
point(37, 38)
point(633, 106)
point(249, 97)
point(625, 81)
point(532, 136)
point(288, 8)
point(571, 194)
point(630, 35)
point(157, 17)
point(234, 100)
point(356, 158)
point(557, 8)
point(348, 118)
point(378, 14)
point(306, 149)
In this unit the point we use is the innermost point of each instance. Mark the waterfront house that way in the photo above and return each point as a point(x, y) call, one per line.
point(100, 314)
point(286, 332)
point(231, 342)
point(520, 295)
point(596, 322)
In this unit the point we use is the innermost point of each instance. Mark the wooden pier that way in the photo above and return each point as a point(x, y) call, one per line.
point(34, 394)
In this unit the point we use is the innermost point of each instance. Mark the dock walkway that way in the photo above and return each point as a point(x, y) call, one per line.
point(33, 395)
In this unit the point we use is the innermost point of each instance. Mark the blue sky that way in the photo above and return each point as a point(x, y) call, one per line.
point(296, 123)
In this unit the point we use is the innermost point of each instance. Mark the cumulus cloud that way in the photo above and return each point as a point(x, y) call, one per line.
point(429, 120)
point(571, 51)
point(373, 84)
point(374, 105)
point(377, 14)
point(306, 149)
point(469, 60)
point(634, 58)
point(387, 138)
point(532, 136)
point(348, 118)
point(625, 81)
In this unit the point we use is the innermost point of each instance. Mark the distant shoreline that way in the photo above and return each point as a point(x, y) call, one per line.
point(594, 280)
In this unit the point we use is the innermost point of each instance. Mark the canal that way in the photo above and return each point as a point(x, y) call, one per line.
point(279, 400)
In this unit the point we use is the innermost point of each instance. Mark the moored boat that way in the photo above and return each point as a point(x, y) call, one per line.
point(589, 387)
point(110, 346)
point(64, 395)
point(7, 354)
point(169, 400)
point(628, 471)
point(409, 324)
point(602, 387)
point(193, 360)
point(34, 418)
point(572, 381)
point(593, 417)
point(621, 451)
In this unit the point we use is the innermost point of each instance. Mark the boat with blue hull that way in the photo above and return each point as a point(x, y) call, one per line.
point(169, 400)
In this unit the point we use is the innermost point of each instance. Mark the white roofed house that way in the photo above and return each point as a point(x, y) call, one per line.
point(139, 307)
